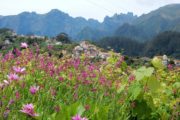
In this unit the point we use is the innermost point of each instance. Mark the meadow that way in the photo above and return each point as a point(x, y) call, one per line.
point(42, 87)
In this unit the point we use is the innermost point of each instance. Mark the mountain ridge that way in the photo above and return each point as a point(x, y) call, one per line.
point(126, 25)
point(163, 19)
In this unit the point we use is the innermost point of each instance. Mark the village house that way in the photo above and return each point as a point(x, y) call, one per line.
point(7, 42)
point(53, 42)
point(104, 55)
point(36, 36)
point(177, 63)
point(165, 60)
point(89, 50)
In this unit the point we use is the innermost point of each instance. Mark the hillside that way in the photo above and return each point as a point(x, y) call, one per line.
point(148, 25)
point(164, 43)
point(37, 85)
point(167, 42)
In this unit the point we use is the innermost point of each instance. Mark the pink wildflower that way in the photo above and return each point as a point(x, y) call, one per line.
point(61, 79)
point(131, 78)
point(11, 102)
point(52, 72)
point(170, 67)
point(13, 76)
point(102, 80)
point(84, 74)
point(78, 117)
point(19, 69)
point(92, 75)
point(6, 114)
point(50, 47)
point(53, 92)
point(8, 56)
point(23, 84)
point(17, 94)
point(70, 75)
point(33, 89)
point(75, 96)
point(29, 110)
point(57, 108)
point(17, 52)
point(118, 64)
point(87, 107)
point(91, 67)
point(24, 45)
point(76, 63)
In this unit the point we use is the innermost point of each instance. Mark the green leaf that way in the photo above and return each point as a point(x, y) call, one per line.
point(142, 110)
point(143, 72)
point(121, 89)
point(135, 91)
point(80, 109)
point(157, 63)
point(176, 85)
point(153, 84)
point(100, 112)
point(149, 71)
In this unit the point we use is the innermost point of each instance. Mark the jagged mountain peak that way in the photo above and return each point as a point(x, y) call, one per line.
point(56, 21)
point(149, 25)
point(55, 12)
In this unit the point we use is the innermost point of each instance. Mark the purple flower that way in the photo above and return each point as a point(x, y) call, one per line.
point(17, 94)
point(84, 74)
point(61, 79)
point(8, 56)
point(29, 110)
point(78, 117)
point(6, 114)
point(119, 62)
point(17, 51)
point(102, 80)
point(50, 47)
point(24, 45)
point(76, 63)
point(131, 78)
point(57, 108)
point(91, 67)
point(170, 67)
point(33, 89)
point(11, 101)
point(13, 76)
point(19, 69)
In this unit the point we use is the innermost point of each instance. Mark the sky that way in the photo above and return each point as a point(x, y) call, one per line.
point(96, 9)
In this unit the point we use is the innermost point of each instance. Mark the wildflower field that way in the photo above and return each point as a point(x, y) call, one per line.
point(43, 87)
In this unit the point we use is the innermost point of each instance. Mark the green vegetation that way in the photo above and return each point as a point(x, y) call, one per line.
point(42, 87)
point(164, 43)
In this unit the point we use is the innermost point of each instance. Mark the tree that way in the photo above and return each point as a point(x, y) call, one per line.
point(128, 46)
point(167, 43)
point(63, 37)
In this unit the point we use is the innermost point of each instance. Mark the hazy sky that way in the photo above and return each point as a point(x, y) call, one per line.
point(87, 8)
